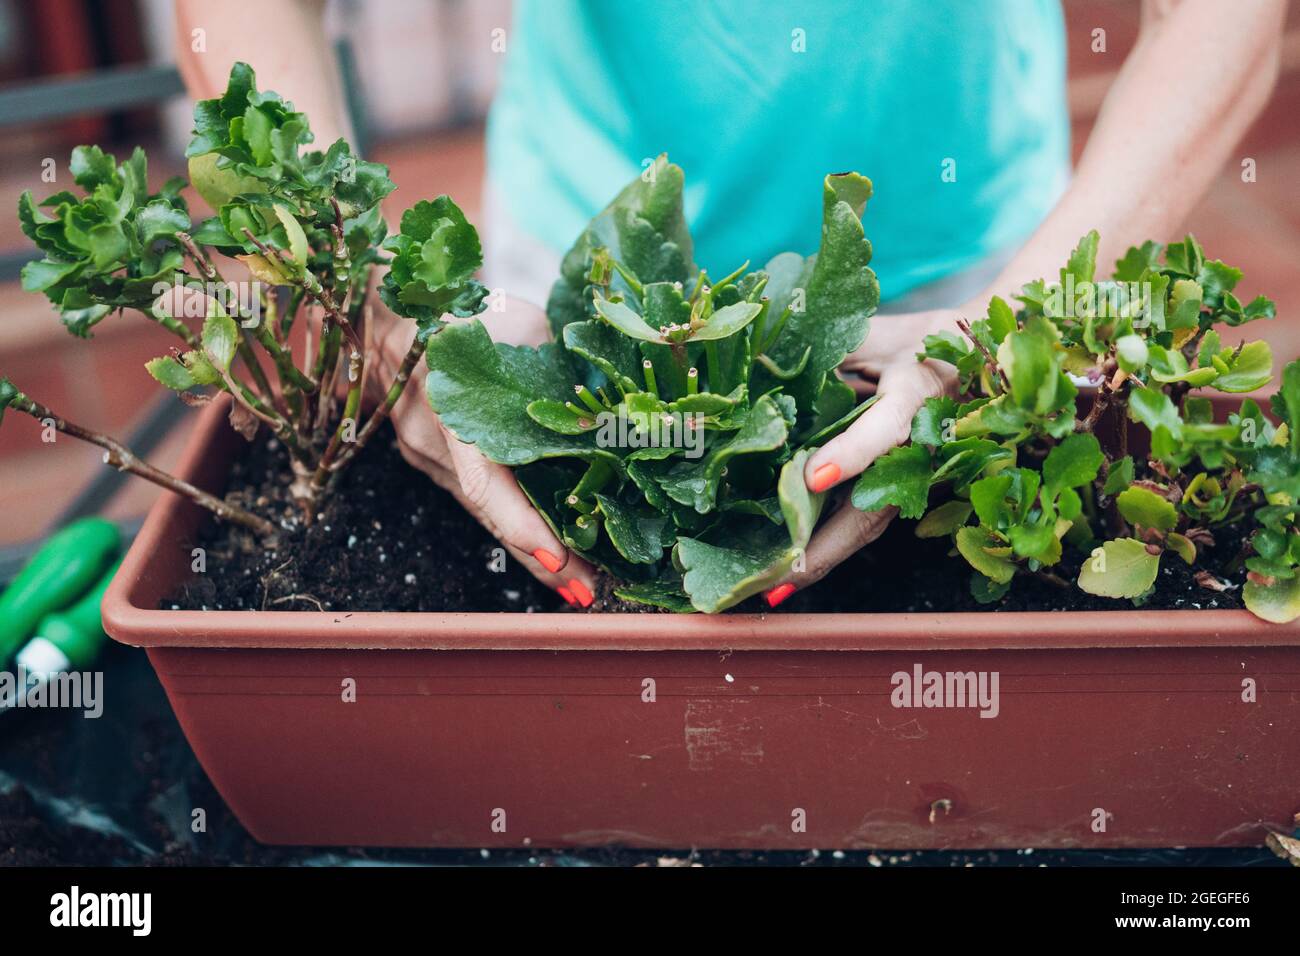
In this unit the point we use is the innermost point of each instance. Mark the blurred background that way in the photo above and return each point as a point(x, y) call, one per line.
point(420, 75)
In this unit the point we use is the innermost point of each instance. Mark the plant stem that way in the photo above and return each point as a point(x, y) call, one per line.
point(262, 412)
point(312, 287)
point(648, 367)
point(290, 374)
point(989, 359)
point(123, 459)
point(255, 368)
point(714, 367)
point(769, 338)
point(356, 366)
point(413, 356)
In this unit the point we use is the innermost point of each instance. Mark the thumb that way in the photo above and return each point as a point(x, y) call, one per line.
point(903, 389)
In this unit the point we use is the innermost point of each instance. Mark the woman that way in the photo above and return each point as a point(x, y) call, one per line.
point(956, 110)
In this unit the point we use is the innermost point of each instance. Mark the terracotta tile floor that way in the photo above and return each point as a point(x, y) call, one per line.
point(1255, 226)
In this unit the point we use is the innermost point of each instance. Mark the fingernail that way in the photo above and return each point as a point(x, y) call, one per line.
point(568, 596)
point(581, 593)
point(825, 476)
point(779, 593)
point(547, 560)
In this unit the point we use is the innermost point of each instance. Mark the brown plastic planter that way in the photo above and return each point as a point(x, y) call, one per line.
point(539, 722)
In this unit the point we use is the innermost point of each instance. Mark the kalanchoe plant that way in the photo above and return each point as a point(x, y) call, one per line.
point(307, 227)
point(1018, 472)
point(663, 434)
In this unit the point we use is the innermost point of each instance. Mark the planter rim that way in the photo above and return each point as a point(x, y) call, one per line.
point(130, 621)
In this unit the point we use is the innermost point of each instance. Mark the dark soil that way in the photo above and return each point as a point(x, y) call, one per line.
point(389, 539)
point(900, 572)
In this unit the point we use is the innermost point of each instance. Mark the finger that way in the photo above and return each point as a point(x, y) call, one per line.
point(847, 531)
point(903, 388)
point(492, 491)
point(560, 581)
point(574, 583)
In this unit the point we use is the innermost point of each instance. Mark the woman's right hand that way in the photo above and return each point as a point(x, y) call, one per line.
point(485, 489)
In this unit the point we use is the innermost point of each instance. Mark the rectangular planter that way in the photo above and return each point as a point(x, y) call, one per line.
point(1115, 729)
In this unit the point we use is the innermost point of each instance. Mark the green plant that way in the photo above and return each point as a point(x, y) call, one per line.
point(663, 434)
point(1021, 475)
point(307, 228)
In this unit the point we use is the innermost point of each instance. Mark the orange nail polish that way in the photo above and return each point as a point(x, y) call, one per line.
point(547, 560)
point(779, 593)
point(825, 476)
point(581, 593)
point(568, 596)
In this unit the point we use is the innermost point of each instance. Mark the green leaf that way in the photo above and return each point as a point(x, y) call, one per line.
point(695, 483)
point(1181, 546)
point(1250, 368)
point(826, 432)
point(987, 592)
point(1124, 570)
point(974, 544)
point(841, 291)
point(1286, 403)
point(666, 593)
point(1169, 365)
point(1145, 508)
point(717, 576)
point(1032, 358)
point(1002, 321)
point(1082, 263)
point(618, 315)
point(1036, 540)
point(1118, 477)
point(1072, 463)
point(1184, 308)
point(1131, 352)
point(943, 519)
point(298, 247)
point(219, 184)
point(989, 498)
point(639, 537)
point(558, 417)
point(482, 391)
point(170, 373)
point(726, 321)
point(220, 337)
point(159, 220)
point(900, 478)
point(8, 393)
point(757, 554)
point(934, 422)
point(449, 248)
point(1154, 409)
point(1136, 261)
point(1277, 603)
point(800, 507)
point(643, 228)
point(41, 274)
point(92, 167)
point(963, 460)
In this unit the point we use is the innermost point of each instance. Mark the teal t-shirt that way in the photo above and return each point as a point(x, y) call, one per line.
point(956, 110)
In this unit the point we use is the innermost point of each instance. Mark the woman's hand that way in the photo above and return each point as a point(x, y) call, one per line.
point(886, 366)
point(485, 489)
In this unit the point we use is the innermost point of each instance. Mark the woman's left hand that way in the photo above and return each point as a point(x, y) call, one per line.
point(885, 365)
